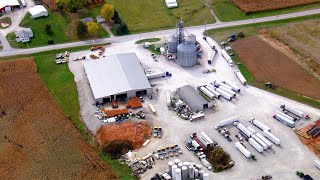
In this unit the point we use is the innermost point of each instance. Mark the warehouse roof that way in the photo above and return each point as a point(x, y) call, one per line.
point(191, 97)
point(115, 74)
point(4, 3)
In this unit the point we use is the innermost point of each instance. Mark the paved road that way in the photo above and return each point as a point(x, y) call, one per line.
point(162, 33)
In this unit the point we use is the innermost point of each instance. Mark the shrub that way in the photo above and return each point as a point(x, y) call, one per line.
point(50, 41)
point(121, 29)
point(48, 30)
point(82, 29)
point(116, 148)
point(116, 18)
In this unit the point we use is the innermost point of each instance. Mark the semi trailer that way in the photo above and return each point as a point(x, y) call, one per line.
point(224, 94)
point(207, 92)
point(243, 129)
point(255, 145)
point(232, 85)
point(218, 83)
point(156, 75)
point(217, 95)
point(284, 120)
point(227, 57)
point(271, 137)
point(259, 124)
point(228, 91)
point(265, 140)
point(251, 129)
point(168, 100)
point(292, 110)
point(312, 130)
point(259, 141)
point(285, 115)
point(226, 122)
point(240, 77)
point(243, 150)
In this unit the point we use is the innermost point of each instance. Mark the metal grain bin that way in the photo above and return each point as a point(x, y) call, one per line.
point(187, 54)
point(172, 44)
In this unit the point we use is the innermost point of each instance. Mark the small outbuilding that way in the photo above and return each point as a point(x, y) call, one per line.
point(24, 35)
point(38, 11)
point(100, 19)
point(192, 98)
point(116, 77)
point(86, 20)
point(171, 3)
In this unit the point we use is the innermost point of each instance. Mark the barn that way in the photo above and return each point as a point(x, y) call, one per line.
point(192, 98)
point(116, 77)
point(7, 6)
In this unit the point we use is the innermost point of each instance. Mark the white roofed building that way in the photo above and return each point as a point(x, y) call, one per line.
point(171, 3)
point(116, 77)
point(38, 11)
point(6, 6)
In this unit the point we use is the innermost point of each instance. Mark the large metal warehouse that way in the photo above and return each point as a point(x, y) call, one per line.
point(192, 98)
point(116, 77)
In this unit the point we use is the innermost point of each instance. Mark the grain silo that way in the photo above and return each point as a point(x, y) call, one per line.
point(187, 54)
point(172, 44)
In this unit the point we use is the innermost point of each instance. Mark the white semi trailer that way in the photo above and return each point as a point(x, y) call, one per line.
point(284, 120)
point(251, 129)
point(261, 143)
point(226, 122)
point(232, 85)
point(243, 129)
point(168, 100)
point(293, 111)
point(208, 93)
point(227, 57)
point(243, 150)
point(285, 115)
point(228, 91)
point(259, 124)
point(217, 95)
point(265, 140)
point(240, 77)
point(255, 145)
point(156, 75)
point(224, 94)
point(271, 137)
point(218, 83)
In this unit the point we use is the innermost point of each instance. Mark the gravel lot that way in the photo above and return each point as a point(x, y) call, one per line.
point(281, 162)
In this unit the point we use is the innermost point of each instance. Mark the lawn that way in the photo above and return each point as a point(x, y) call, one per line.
point(5, 20)
point(222, 34)
point(60, 26)
point(227, 11)
point(147, 15)
point(147, 40)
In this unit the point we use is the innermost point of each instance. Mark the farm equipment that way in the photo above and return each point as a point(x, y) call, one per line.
point(93, 56)
point(94, 48)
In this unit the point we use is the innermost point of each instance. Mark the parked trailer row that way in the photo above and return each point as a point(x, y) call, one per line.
point(260, 139)
point(271, 137)
point(217, 95)
point(204, 139)
point(224, 94)
point(293, 111)
point(207, 92)
point(240, 77)
point(259, 124)
point(226, 122)
point(265, 140)
point(218, 83)
point(284, 120)
point(285, 115)
point(232, 85)
point(243, 150)
point(255, 145)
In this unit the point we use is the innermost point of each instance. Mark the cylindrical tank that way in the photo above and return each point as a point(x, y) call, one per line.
point(191, 38)
point(201, 172)
point(170, 164)
point(176, 161)
point(205, 176)
point(191, 172)
point(173, 44)
point(178, 174)
point(184, 173)
point(196, 173)
point(187, 54)
point(180, 165)
point(174, 168)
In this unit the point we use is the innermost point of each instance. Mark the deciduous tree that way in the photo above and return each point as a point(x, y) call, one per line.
point(92, 28)
point(107, 11)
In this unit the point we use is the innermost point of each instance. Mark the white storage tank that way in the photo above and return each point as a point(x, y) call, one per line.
point(187, 54)
point(178, 174)
point(173, 44)
point(205, 176)
point(184, 173)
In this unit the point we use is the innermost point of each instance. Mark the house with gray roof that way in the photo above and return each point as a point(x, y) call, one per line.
point(24, 35)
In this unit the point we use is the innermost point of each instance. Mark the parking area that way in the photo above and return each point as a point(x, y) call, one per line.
point(281, 161)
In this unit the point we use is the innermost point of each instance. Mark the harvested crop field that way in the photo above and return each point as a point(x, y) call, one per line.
point(37, 141)
point(250, 6)
point(135, 132)
point(267, 64)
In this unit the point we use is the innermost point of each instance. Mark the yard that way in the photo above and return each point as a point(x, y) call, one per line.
point(62, 27)
point(227, 11)
point(147, 15)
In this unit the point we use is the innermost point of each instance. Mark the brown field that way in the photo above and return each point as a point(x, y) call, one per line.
point(250, 6)
point(302, 38)
point(135, 132)
point(267, 64)
point(37, 141)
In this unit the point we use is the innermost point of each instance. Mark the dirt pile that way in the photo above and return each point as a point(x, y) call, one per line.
point(267, 64)
point(249, 6)
point(135, 132)
point(37, 141)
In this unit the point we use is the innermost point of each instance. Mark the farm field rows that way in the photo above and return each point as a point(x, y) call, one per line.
point(37, 140)
point(249, 6)
point(267, 64)
point(147, 15)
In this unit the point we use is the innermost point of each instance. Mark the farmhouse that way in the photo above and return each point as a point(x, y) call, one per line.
point(7, 6)
point(24, 35)
point(38, 11)
point(116, 77)
point(192, 98)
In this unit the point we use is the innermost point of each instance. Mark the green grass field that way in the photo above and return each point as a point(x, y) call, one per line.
point(59, 26)
point(147, 15)
point(222, 34)
point(227, 11)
